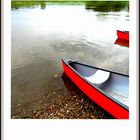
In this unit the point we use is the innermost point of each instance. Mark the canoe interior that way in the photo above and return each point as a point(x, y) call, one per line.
point(116, 87)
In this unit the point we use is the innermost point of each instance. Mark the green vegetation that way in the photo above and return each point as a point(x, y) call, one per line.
point(105, 6)
point(42, 4)
point(19, 4)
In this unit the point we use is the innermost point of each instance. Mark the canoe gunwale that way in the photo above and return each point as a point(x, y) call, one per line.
point(82, 77)
point(72, 61)
point(123, 31)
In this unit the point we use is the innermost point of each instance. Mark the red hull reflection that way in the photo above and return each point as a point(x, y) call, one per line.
point(122, 42)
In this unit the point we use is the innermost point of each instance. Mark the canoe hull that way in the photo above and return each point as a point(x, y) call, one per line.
point(123, 35)
point(110, 106)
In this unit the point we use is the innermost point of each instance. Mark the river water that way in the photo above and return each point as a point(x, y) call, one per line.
point(41, 37)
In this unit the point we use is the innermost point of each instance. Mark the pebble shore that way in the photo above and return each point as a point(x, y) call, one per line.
point(61, 105)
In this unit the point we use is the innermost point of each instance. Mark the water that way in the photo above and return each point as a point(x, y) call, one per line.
point(42, 36)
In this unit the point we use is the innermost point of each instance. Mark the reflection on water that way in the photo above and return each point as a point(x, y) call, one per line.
point(105, 6)
point(122, 42)
point(42, 36)
point(102, 6)
point(27, 4)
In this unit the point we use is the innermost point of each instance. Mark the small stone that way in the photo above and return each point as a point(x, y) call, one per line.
point(68, 111)
point(56, 75)
point(81, 101)
point(93, 117)
point(51, 114)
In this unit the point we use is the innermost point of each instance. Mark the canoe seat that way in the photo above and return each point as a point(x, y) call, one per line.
point(98, 77)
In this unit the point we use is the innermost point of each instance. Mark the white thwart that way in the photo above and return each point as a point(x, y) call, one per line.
point(98, 77)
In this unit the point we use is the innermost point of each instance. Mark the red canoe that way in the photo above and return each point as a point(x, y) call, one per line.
point(108, 89)
point(123, 34)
